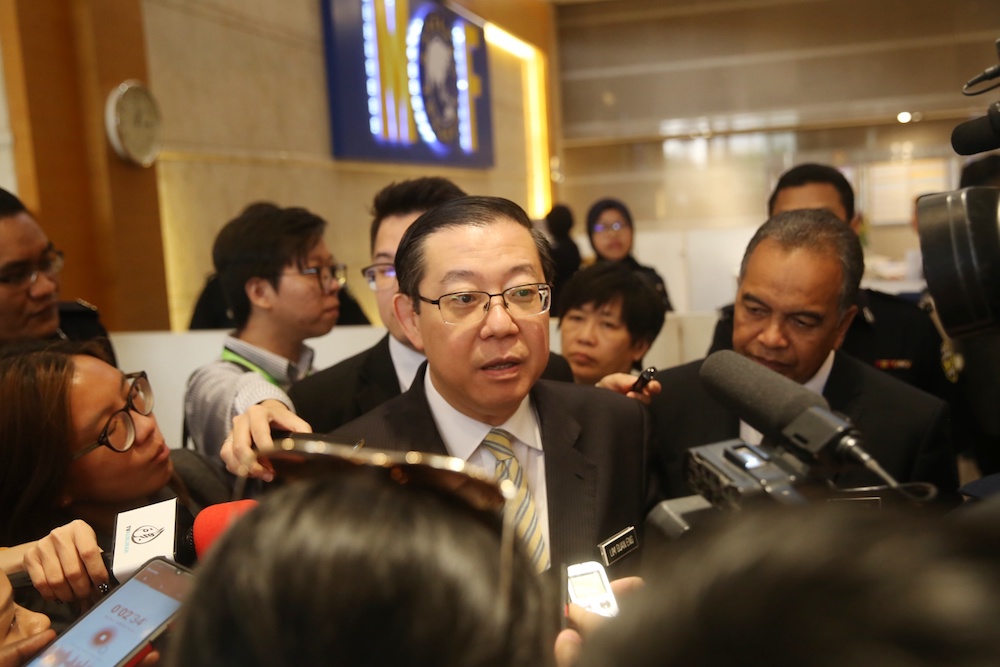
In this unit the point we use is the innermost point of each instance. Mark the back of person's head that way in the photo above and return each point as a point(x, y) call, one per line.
point(808, 173)
point(607, 282)
point(259, 243)
point(36, 433)
point(461, 212)
point(357, 571)
point(818, 231)
point(416, 195)
point(824, 586)
point(602, 205)
point(10, 205)
point(559, 221)
point(984, 171)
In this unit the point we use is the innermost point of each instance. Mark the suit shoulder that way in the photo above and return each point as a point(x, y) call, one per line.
point(681, 373)
point(879, 383)
point(893, 307)
point(345, 368)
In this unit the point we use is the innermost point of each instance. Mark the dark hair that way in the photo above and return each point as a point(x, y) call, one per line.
point(600, 206)
point(361, 570)
point(36, 432)
point(605, 282)
point(559, 221)
point(816, 585)
point(259, 243)
point(417, 195)
point(817, 230)
point(10, 205)
point(465, 211)
point(983, 171)
point(804, 174)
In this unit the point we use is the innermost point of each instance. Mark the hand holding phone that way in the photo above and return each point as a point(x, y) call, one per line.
point(120, 627)
point(589, 588)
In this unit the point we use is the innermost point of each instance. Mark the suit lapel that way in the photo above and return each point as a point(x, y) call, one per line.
point(570, 478)
point(414, 414)
point(843, 387)
point(378, 378)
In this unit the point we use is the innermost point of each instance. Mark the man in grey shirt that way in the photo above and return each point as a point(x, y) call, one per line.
point(282, 283)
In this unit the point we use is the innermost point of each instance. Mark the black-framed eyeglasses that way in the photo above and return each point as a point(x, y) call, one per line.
point(25, 274)
point(471, 307)
point(327, 276)
point(380, 275)
point(119, 432)
point(613, 227)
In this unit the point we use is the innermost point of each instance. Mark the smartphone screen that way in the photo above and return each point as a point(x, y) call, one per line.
point(121, 622)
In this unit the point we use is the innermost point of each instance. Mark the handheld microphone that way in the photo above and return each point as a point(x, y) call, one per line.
point(215, 520)
point(978, 135)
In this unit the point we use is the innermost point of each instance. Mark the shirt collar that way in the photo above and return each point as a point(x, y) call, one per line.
point(283, 371)
point(462, 435)
point(405, 360)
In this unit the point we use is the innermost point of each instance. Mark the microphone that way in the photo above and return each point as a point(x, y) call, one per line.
point(214, 520)
point(782, 409)
point(978, 135)
point(168, 530)
point(165, 529)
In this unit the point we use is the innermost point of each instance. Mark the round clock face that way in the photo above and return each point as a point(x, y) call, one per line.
point(132, 121)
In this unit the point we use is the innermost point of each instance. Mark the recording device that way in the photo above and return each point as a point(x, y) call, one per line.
point(978, 135)
point(643, 379)
point(804, 442)
point(589, 588)
point(118, 630)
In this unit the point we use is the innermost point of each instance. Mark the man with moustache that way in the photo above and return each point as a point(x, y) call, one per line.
point(796, 299)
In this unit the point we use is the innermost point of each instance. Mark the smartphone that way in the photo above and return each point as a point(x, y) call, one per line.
point(589, 587)
point(643, 379)
point(119, 628)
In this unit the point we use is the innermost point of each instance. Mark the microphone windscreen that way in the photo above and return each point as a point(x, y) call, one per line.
point(762, 398)
point(213, 521)
point(978, 135)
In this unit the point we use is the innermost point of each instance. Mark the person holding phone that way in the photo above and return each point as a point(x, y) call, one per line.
point(78, 440)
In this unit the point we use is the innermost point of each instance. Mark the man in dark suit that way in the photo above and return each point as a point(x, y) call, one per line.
point(474, 297)
point(796, 299)
point(345, 391)
point(889, 333)
point(29, 284)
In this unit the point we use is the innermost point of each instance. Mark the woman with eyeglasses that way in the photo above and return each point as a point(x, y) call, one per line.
point(609, 226)
point(78, 440)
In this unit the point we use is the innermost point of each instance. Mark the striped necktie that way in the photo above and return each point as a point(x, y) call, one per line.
point(525, 518)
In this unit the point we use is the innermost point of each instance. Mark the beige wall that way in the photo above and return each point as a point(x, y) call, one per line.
point(242, 87)
point(690, 110)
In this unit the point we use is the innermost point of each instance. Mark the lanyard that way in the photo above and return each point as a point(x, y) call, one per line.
point(229, 355)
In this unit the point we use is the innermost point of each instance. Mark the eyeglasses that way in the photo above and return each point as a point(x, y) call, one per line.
point(25, 274)
point(613, 227)
point(119, 432)
point(471, 307)
point(299, 456)
point(380, 276)
point(326, 275)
